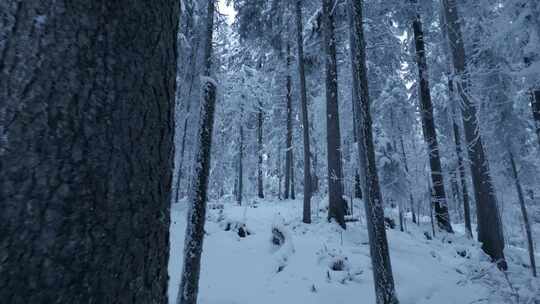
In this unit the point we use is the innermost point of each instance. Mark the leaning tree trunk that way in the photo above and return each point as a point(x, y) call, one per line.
point(535, 107)
point(490, 230)
point(430, 135)
point(197, 197)
point(260, 119)
point(378, 244)
point(306, 215)
point(86, 160)
point(336, 204)
point(288, 146)
point(526, 223)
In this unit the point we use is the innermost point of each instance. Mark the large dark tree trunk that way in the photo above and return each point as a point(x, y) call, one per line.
point(198, 192)
point(428, 127)
point(85, 159)
point(260, 119)
point(306, 216)
point(526, 223)
point(378, 244)
point(490, 230)
point(289, 132)
point(359, 173)
point(535, 107)
point(336, 202)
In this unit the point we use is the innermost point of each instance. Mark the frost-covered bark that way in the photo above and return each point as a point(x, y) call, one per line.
point(490, 230)
point(380, 257)
point(428, 127)
point(86, 159)
point(197, 196)
point(336, 209)
point(306, 215)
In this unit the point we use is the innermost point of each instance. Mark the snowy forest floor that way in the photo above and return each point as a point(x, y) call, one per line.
point(250, 269)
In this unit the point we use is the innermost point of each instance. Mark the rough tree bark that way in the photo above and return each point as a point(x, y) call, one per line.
point(86, 160)
point(306, 215)
point(197, 196)
point(288, 143)
point(490, 230)
point(526, 223)
point(428, 127)
point(336, 204)
point(378, 244)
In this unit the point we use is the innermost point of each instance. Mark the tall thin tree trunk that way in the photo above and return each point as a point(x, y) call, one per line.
point(293, 195)
point(194, 236)
point(535, 107)
point(75, 194)
point(380, 256)
point(462, 176)
point(288, 146)
point(191, 73)
point(279, 173)
point(306, 215)
point(260, 184)
point(240, 168)
point(490, 230)
point(406, 166)
point(336, 209)
point(359, 177)
point(430, 135)
point(526, 223)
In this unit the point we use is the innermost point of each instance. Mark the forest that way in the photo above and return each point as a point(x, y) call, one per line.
point(267, 151)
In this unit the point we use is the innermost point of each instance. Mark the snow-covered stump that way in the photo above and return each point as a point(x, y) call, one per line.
point(193, 243)
point(281, 244)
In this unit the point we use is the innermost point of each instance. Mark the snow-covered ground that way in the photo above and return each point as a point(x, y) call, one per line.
point(247, 270)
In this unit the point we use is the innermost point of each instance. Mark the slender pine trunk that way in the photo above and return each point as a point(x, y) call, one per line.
point(306, 215)
point(526, 223)
point(288, 145)
point(260, 120)
point(380, 257)
point(430, 134)
point(461, 169)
